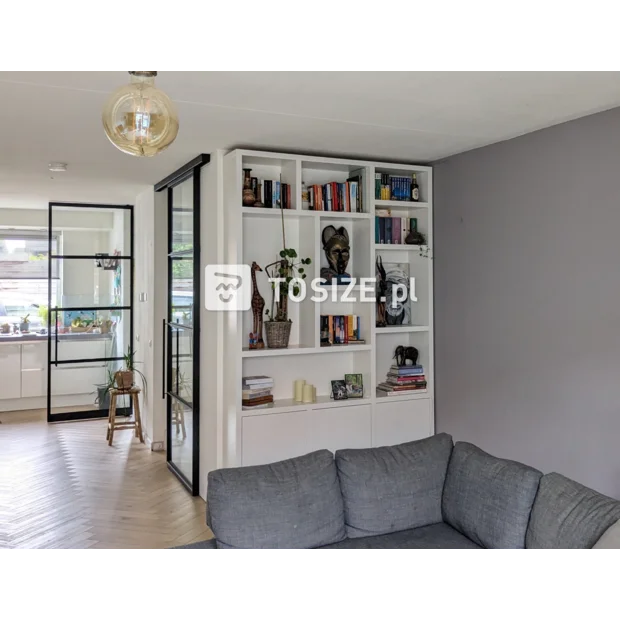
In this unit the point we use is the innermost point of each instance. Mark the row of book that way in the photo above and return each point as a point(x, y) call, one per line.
point(402, 380)
point(341, 329)
point(271, 194)
point(394, 229)
point(336, 197)
point(391, 187)
point(256, 391)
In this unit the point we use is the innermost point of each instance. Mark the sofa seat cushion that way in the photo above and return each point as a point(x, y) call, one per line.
point(393, 488)
point(567, 515)
point(489, 499)
point(437, 536)
point(292, 504)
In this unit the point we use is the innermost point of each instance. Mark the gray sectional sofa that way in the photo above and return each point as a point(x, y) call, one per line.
point(427, 494)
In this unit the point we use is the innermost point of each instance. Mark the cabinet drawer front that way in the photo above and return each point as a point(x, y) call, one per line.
point(399, 422)
point(34, 383)
point(82, 350)
point(10, 371)
point(77, 380)
point(34, 356)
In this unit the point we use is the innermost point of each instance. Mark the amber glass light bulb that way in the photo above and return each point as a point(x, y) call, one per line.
point(140, 119)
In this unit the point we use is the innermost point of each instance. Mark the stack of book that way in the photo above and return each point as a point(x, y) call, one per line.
point(336, 197)
point(392, 230)
point(391, 187)
point(402, 380)
point(257, 391)
point(341, 329)
point(273, 194)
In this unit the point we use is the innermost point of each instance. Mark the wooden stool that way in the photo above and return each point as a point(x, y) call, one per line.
point(113, 424)
point(178, 418)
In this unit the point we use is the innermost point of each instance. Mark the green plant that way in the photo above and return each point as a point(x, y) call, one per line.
point(43, 312)
point(287, 268)
point(130, 364)
point(25, 319)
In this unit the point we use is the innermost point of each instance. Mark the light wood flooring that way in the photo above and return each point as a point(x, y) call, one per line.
point(62, 486)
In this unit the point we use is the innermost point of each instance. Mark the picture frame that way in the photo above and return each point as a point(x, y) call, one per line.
point(339, 390)
point(354, 384)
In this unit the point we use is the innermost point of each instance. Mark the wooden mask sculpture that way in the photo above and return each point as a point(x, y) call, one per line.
point(337, 251)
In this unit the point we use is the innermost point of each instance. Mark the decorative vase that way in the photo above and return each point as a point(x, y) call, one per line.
point(248, 195)
point(123, 379)
point(278, 334)
point(24, 328)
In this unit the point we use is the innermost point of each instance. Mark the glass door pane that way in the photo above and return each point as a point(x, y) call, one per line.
point(182, 332)
point(90, 307)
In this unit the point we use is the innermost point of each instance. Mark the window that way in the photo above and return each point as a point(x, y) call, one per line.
point(23, 277)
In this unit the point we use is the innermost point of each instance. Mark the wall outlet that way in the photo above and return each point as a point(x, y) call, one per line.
point(157, 446)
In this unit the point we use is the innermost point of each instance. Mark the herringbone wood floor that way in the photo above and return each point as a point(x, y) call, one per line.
point(62, 486)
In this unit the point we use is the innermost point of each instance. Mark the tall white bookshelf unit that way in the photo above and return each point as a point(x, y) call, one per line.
point(287, 429)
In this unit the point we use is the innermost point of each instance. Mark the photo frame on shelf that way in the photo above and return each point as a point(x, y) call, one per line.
point(339, 390)
point(354, 384)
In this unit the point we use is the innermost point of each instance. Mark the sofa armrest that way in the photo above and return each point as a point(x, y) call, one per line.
point(610, 539)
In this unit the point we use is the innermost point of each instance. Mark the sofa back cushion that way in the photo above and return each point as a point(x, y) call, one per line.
point(393, 488)
point(489, 499)
point(567, 515)
point(286, 505)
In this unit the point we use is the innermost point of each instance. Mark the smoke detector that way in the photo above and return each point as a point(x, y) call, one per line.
point(56, 166)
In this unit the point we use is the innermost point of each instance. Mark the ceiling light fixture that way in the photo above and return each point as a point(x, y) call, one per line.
point(56, 166)
point(140, 119)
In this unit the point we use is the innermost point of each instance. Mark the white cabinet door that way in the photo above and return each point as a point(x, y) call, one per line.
point(34, 356)
point(398, 422)
point(34, 382)
point(340, 427)
point(10, 371)
point(274, 437)
point(82, 349)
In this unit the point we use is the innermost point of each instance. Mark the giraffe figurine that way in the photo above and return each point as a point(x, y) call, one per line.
point(258, 305)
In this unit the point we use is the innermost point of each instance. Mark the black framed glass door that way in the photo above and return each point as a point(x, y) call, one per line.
point(90, 306)
point(182, 324)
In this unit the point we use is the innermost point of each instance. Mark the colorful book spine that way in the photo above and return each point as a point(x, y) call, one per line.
point(396, 232)
point(388, 230)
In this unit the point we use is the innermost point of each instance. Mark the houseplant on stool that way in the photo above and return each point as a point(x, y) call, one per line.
point(125, 377)
point(287, 268)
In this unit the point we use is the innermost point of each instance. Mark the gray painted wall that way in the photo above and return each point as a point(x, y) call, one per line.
point(527, 299)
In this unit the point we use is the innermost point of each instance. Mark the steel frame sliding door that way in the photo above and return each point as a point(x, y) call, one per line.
point(183, 400)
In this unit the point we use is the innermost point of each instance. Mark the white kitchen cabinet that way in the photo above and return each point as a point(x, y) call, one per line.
point(10, 371)
point(398, 422)
point(83, 379)
point(34, 369)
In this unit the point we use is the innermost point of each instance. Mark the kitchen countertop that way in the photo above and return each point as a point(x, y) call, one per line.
point(15, 338)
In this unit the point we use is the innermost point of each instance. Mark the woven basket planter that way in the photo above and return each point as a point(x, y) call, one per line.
point(278, 333)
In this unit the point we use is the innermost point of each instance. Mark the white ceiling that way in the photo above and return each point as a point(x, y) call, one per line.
point(414, 117)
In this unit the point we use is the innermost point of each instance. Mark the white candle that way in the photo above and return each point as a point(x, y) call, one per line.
point(307, 393)
point(298, 390)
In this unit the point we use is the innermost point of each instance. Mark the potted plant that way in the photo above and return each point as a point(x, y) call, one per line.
point(43, 312)
point(24, 326)
point(5, 328)
point(125, 377)
point(287, 267)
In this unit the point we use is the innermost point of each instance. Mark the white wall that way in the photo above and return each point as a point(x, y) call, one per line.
point(150, 249)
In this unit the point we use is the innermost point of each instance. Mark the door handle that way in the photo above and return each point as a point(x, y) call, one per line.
point(163, 362)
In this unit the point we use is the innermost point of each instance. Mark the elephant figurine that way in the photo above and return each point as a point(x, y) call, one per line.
point(402, 354)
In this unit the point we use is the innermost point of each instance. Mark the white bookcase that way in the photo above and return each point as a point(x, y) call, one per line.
point(288, 429)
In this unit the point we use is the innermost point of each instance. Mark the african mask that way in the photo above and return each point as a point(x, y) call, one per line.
point(336, 246)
